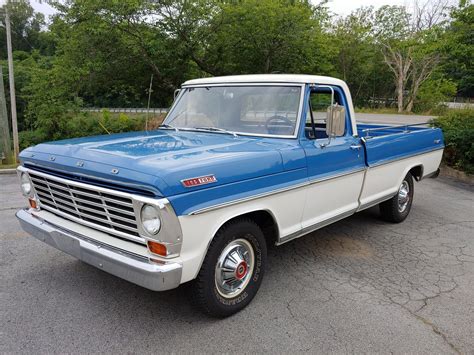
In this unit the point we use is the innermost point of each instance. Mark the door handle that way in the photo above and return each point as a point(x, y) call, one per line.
point(356, 146)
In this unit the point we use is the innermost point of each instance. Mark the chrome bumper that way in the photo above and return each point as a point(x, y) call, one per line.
point(131, 267)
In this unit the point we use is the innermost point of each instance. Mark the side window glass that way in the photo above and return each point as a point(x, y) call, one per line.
point(319, 102)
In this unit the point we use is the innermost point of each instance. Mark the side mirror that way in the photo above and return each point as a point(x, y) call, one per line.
point(176, 93)
point(335, 121)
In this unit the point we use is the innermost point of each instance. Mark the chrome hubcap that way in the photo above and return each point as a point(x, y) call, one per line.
point(403, 196)
point(234, 268)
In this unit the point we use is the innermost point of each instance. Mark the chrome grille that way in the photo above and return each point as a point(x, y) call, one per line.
point(83, 204)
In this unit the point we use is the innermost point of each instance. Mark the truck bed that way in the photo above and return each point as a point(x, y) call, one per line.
point(384, 143)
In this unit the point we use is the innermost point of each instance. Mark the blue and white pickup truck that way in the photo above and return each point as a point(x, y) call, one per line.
point(239, 163)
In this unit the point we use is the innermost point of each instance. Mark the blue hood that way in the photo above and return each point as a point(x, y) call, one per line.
point(161, 159)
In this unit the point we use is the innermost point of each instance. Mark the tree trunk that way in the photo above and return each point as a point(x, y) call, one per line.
point(400, 90)
point(410, 104)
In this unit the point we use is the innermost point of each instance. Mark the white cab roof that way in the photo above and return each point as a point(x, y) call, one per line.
point(268, 78)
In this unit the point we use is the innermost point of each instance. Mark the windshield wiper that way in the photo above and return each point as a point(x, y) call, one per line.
point(168, 126)
point(216, 129)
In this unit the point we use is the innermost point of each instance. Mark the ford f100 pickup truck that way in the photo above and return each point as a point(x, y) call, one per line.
point(240, 162)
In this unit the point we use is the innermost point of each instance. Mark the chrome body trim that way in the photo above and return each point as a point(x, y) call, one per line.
point(131, 267)
point(273, 192)
point(309, 182)
point(314, 227)
point(375, 202)
point(170, 233)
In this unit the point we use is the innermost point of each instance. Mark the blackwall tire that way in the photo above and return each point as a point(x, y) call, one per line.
point(232, 270)
point(398, 208)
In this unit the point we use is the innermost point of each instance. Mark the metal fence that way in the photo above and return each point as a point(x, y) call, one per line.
point(459, 105)
point(127, 110)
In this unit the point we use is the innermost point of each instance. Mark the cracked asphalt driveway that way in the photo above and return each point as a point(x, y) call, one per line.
point(360, 285)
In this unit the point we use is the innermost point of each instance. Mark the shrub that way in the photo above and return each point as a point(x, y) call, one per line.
point(29, 138)
point(431, 95)
point(458, 129)
point(81, 124)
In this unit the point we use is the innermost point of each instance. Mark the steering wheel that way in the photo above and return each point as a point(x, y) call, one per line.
point(283, 119)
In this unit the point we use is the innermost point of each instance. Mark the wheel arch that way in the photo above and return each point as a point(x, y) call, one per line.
point(417, 171)
point(264, 218)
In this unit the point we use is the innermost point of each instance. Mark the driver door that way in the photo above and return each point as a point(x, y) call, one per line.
point(335, 166)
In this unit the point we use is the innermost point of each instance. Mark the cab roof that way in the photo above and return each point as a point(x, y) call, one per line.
point(267, 78)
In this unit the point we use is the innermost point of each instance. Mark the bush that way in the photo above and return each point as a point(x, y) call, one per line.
point(458, 129)
point(81, 124)
point(432, 94)
point(29, 138)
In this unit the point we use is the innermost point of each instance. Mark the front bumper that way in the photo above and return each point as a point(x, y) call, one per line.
point(131, 267)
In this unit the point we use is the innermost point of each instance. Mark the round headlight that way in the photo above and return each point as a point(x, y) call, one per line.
point(150, 217)
point(25, 184)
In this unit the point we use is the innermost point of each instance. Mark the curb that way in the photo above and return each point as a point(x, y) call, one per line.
point(461, 176)
point(7, 171)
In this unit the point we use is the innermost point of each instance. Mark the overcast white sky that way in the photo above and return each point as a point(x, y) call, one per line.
point(344, 7)
point(340, 7)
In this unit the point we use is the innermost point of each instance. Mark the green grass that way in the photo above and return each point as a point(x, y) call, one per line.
point(8, 166)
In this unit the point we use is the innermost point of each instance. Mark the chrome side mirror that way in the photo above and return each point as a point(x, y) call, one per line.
point(335, 121)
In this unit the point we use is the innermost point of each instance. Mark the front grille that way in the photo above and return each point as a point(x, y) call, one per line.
point(92, 181)
point(86, 205)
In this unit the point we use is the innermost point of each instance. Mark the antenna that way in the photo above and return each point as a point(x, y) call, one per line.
point(148, 106)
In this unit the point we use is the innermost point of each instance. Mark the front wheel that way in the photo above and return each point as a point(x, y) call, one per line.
point(232, 270)
point(398, 207)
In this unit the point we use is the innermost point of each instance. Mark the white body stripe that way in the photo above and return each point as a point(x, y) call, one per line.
point(299, 209)
point(198, 230)
point(296, 211)
point(330, 198)
point(384, 180)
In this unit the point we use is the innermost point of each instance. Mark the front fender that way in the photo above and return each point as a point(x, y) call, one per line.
point(285, 207)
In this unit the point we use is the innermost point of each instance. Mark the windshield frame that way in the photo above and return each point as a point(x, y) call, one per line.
point(244, 84)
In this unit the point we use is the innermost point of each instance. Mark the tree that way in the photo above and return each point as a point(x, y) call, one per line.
point(358, 58)
point(248, 36)
point(28, 30)
point(410, 44)
point(458, 63)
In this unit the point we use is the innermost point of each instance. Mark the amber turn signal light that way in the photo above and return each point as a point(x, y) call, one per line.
point(157, 248)
point(33, 203)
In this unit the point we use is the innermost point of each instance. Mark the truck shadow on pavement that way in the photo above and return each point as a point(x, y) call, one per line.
point(86, 284)
point(360, 261)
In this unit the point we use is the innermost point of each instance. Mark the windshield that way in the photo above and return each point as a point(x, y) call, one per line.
point(259, 110)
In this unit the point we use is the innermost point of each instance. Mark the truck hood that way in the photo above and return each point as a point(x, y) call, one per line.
point(161, 159)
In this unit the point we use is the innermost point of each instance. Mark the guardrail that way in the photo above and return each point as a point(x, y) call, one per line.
point(459, 105)
point(126, 110)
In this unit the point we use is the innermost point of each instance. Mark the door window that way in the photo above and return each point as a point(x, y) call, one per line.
point(319, 102)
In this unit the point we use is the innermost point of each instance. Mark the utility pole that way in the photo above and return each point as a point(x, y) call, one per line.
point(11, 77)
point(5, 140)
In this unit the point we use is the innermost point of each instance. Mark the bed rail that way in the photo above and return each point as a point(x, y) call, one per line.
point(400, 129)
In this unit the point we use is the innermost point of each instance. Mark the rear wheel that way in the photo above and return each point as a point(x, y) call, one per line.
point(232, 270)
point(398, 207)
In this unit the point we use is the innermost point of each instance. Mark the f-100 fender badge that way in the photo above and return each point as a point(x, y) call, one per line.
point(197, 181)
